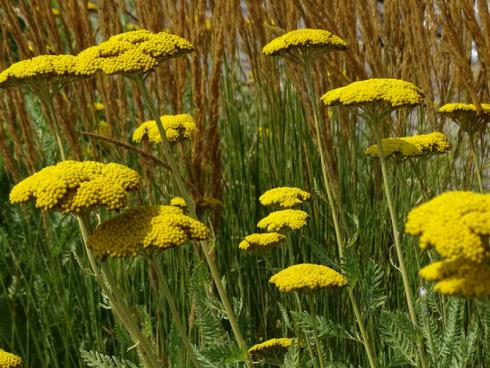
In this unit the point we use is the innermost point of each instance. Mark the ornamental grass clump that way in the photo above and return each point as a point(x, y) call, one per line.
point(285, 197)
point(177, 128)
point(72, 186)
point(9, 360)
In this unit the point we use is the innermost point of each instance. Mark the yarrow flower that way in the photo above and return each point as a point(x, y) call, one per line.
point(459, 277)
point(71, 186)
point(137, 51)
point(260, 242)
point(456, 224)
point(414, 146)
point(99, 106)
point(285, 197)
point(146, 227)
point(394, 92)
point(276, 221)
point(307, 277)
point(467, 116)
point(272, 346)
point(9, 360)
point(304, 40)
point(177, 128)
point(178, 202)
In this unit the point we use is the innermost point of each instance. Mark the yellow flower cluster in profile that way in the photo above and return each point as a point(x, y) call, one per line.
point(283, 343)
point(178, 202)
point(456, 108)
point(177, 127)
point(307, 277)
point(99, 106)
point(467, 116)
point(414, 146)
point(137, 51)
point(278, 220)
point(459, 277)
point(71, 186)
point(285, 197)
point(304, 39)
point(394, 92)
point(146, 227)
point(9, 360)
point(261, 241)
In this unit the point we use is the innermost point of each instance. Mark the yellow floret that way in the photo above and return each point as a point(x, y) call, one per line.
point(259, 242)
point(285, 197)
point(454, 108)
point(147, 227)
point(9, 360)
point(91, 6)
point(272, 345)
point(99, 106)
point(307, 277)
point(459, 277)
point(467, 116)
point(417, 145)
point(177, 127)
point(55, 12)
point(456, 224)
point(178, 202)
point(304, 39)
point(71, 186)
point(137, 51)
point(395, 92)
point(292, 219)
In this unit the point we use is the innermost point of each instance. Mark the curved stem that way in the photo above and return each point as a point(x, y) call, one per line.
point(334, 211)
point(476, 161)
point(46, 97)
point(396, 235)
point(191, 205)
point(162, 282)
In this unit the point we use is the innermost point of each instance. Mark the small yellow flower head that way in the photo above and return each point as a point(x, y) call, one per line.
point(307, 277)
point(91, 6)
point(394, 92)
point(304, 40)
point(292, 219)
point(137, 51)
point(99, 106)
point(177, 128)
point(146, 227)
point(467, 116)
point(272, 346)
point(41, 67)
point(414, 146)
point(456, 224)
point(55, 12)
point(459, 277)
point(260, 242)
point(9, 360)
point(71, 186)
point(285, 197)
point(103, 128)
point(178, 202)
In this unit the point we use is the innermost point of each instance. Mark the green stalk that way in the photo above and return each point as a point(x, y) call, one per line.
point(184, 192)
point(315, 331)
point(106, 281)
point(476, 161)
point(173, 309)
point(333, 210)
point(396, 235)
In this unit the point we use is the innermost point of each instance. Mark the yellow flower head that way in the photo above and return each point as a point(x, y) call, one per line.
point(55, 12)
point(456, 224)
point(99, 106)
point(9, 360)
point(467, 116)
point(459, 277)
point(307, 277)
point(394, 92)
point(260, 242)
point(272, 346)
point(285, 197)
point(91, 6)
point(178, 202)
point(147, 227)
point(177, 128)
point(41, 67)
point(414, 146)
point(304, 40)
point(137, 51)
point(292, 219)
point(71, 186)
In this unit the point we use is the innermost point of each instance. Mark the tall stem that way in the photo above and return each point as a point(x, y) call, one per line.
point(334, 211)
point(184, 192)
point(162, 282)
point(106, 281)
point(396, 236)
point(46, 97)
point(476, 161)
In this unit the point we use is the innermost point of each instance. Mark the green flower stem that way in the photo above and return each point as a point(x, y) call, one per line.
point(106, 281)
point(333, 210)
point(476, 161)
point(173, 309)
point(315, 331)
point(396, 235)
point(184, 192)
point(308, 346)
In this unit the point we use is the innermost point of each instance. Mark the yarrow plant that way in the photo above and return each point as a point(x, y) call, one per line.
point(272, 349)
point(177, 128)
point(285, 197)
point(279, 220)
point(259, 242)
point(9, 360)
